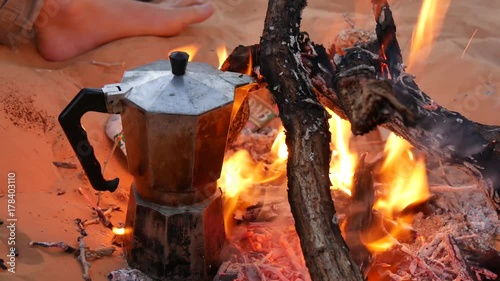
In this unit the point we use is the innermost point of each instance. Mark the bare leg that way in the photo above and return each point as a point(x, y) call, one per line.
point(68, 28)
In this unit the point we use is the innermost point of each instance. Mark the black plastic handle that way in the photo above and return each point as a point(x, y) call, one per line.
point(86, 100)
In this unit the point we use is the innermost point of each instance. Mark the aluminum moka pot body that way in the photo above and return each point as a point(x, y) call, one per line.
point(176, 118)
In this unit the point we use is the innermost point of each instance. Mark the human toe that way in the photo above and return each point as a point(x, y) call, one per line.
point(195, 13)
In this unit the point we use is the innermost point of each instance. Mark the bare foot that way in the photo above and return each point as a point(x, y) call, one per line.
point(68, 28)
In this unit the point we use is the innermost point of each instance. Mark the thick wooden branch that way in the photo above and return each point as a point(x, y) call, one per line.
point(449, 135)
point(353, 85)
point(308, 138)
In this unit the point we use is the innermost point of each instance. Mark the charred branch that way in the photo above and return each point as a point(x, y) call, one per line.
point(449, 135)
point(308, 139)
point(359, 217)
point(386, 36)
point(353, 86)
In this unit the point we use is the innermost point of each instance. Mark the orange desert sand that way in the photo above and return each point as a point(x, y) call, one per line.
point(33, 92)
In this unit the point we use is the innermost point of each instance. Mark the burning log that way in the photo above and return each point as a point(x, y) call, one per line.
point(449, 135)
point(355, 85)
point(359, 217)
point(308, 139)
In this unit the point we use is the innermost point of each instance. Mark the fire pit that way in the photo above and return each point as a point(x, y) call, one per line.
point(426, 232)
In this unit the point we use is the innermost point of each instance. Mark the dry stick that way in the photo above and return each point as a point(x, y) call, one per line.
point(83, 259)
point(445, 188)
point(104, 219)
point(90, 253)
point(306, 123)
point(106, 64)
point(82, 252)
point(474, 147)
point(443, 173)
point(62, 245)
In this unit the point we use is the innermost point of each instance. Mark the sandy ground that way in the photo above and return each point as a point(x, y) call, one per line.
point(33, 92)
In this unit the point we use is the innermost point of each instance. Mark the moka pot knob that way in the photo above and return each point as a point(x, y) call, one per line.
point(178, 62)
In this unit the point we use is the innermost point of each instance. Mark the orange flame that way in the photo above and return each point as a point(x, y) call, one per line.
point(428, 27)
point(190, 49)
point(241, 172)
point(221, 55)
point(403, 177)
point(405, 180)
point(250, 63)
point(343, 163)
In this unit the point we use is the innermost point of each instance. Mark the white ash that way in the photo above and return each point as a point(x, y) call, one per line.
point(258, 144)
point(348, 37)
point(466, 214)
point(128, 274)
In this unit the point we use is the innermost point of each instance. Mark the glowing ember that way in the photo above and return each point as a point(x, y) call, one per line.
point(118, 231)
point(343, 163)
point(190, 49)
point(429, 25)
point(405, 183)
point(221, 55)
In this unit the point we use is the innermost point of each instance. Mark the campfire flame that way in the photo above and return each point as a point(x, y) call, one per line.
point(404, 181)
point(190, 49)
point(250, 63)
point(402, 176)
point(279, 147)
point(241, 172)
point(406, 177)
point(429, 25)
point(343, 163)
point(221, 55)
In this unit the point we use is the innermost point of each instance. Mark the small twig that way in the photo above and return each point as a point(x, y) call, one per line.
point(83, 259)
point(62, 245)
point(99, 253)
point(107, 64)
point(81, 226)
point(92, 221)
point(109, 210)
point(348, 20)
point(82, 253)
point(445, 188)
point(64, 165)
point(468, 43)
point(104, 219)
point(443, 173)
